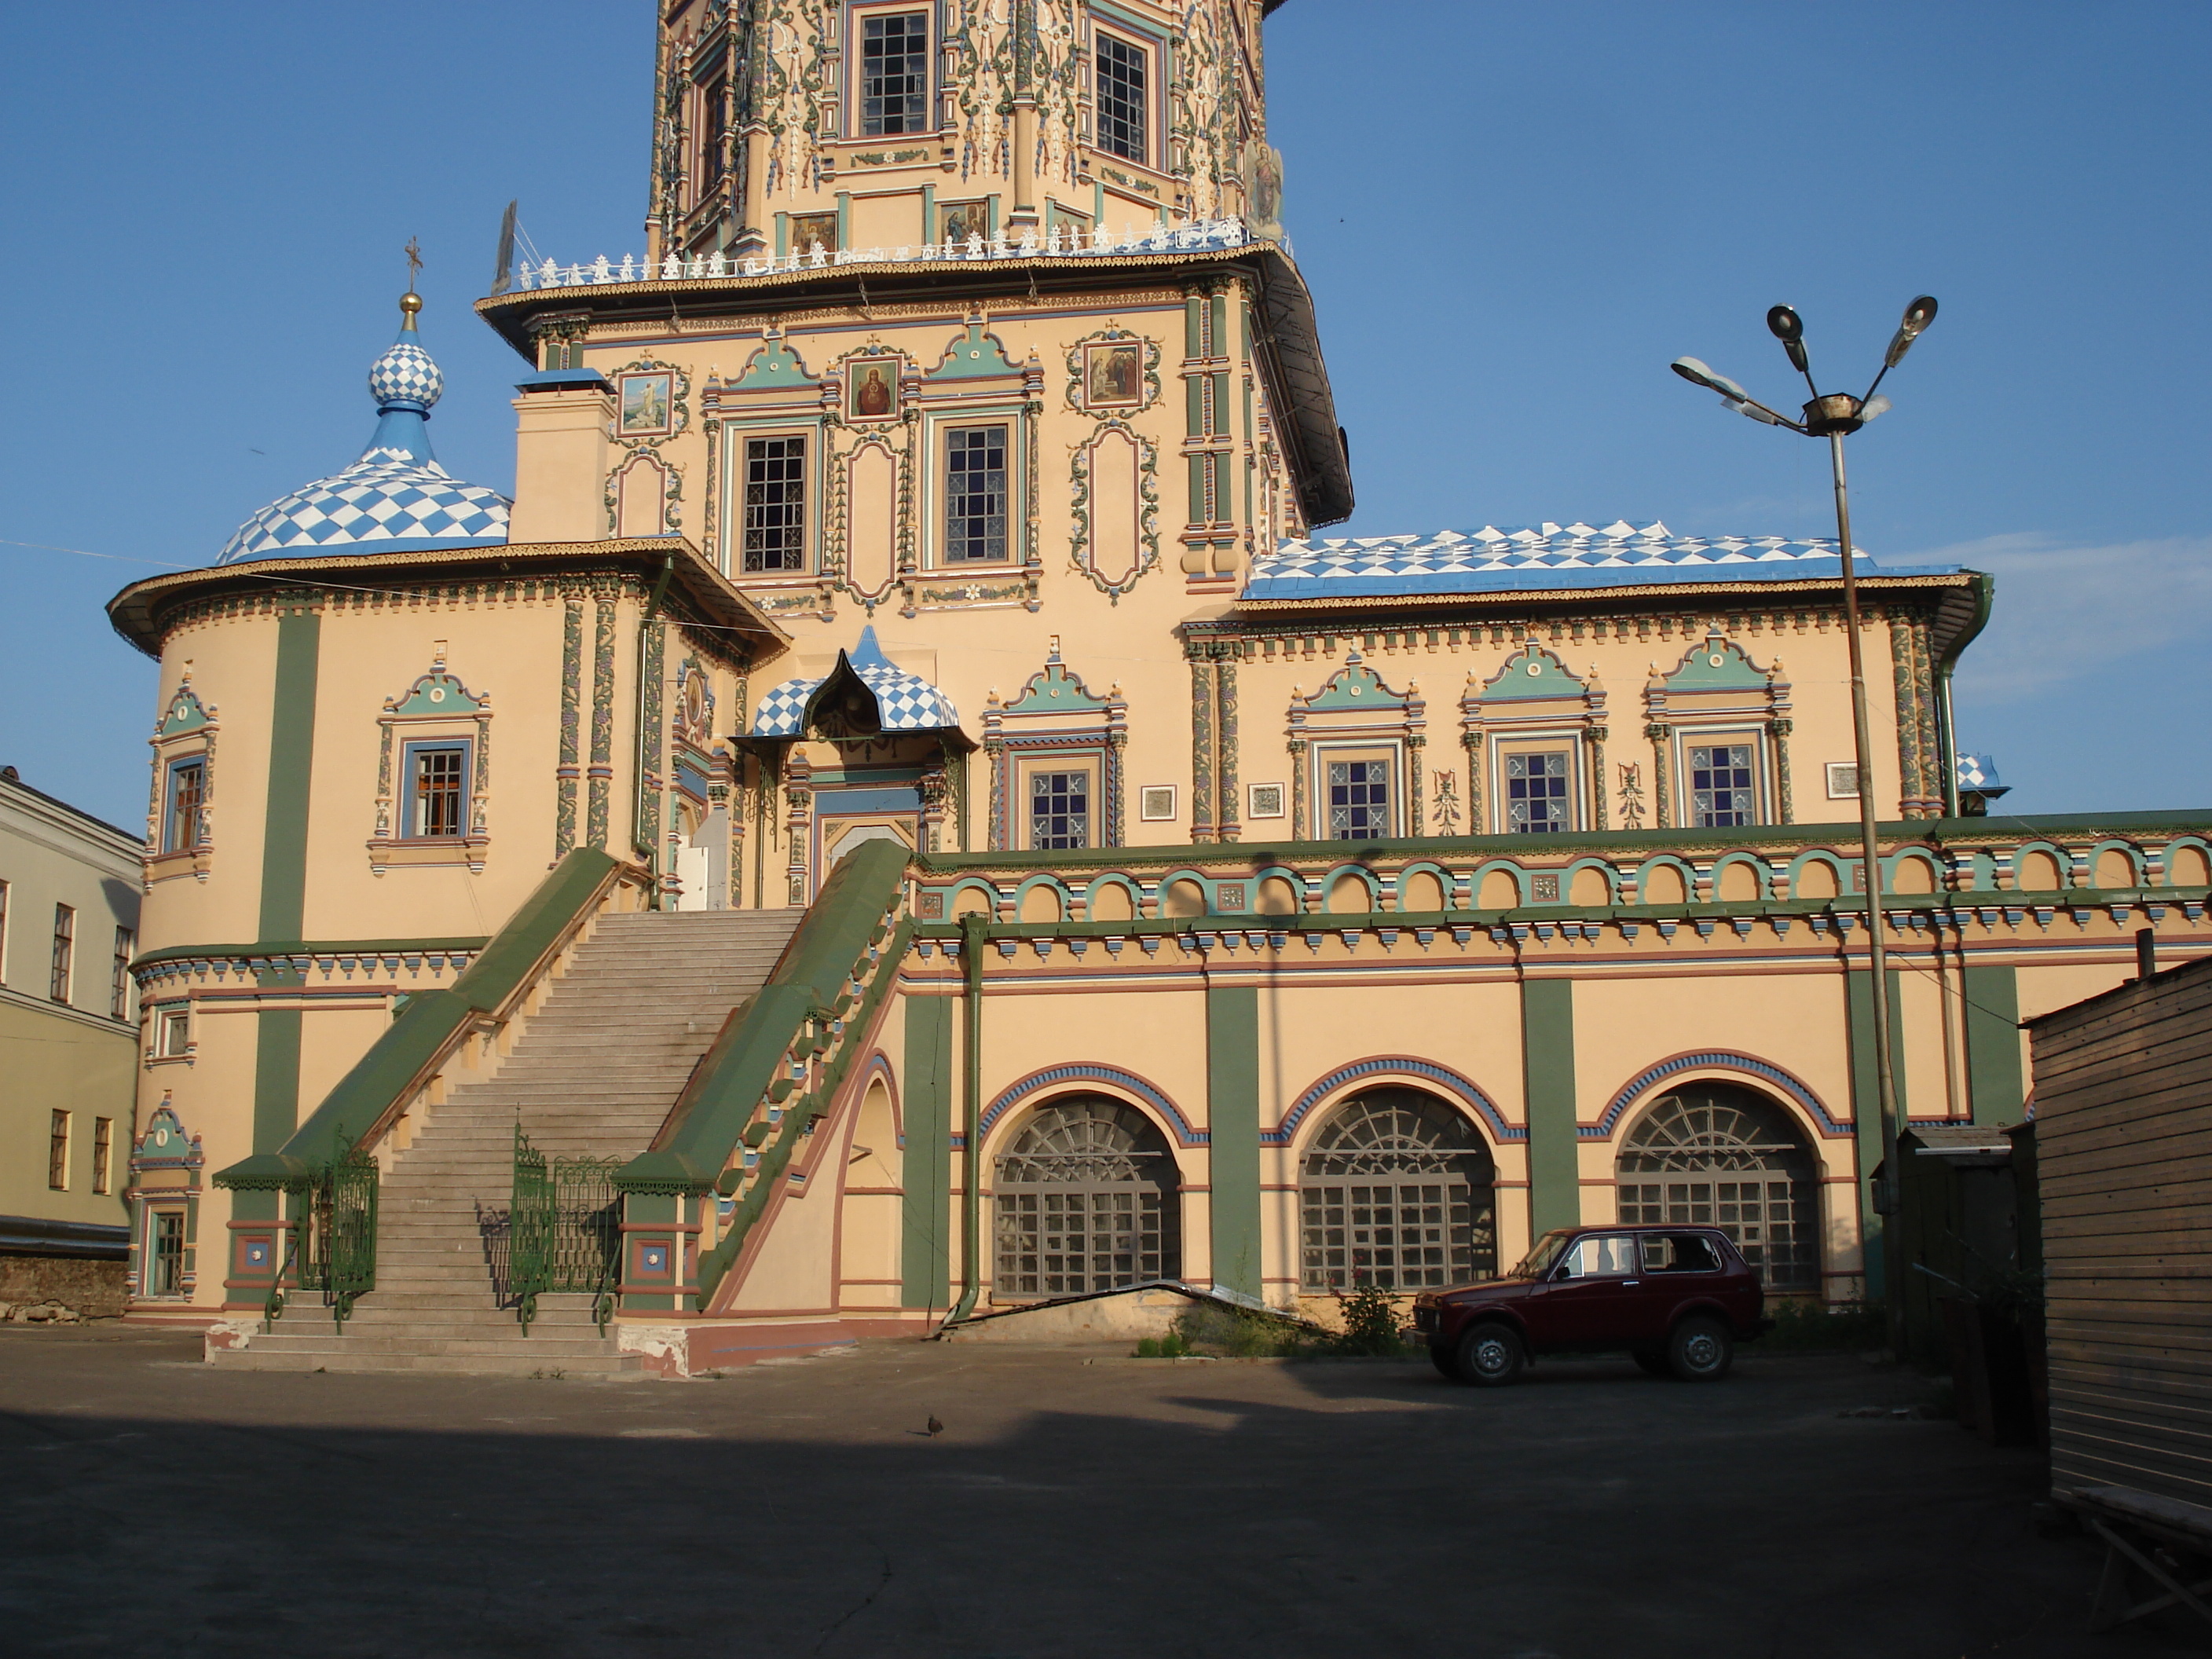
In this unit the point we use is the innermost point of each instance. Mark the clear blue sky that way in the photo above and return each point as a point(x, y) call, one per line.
point(1513, 216)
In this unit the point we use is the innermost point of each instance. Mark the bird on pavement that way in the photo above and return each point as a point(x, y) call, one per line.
point(935, 1427)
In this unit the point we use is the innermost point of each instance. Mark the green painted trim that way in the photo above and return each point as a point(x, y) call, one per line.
point(925, 1111)
point(276, 1075)
point(291, 764)
point(268, 949)
point(1232, 1119)
point(1547, 1060)
point(397, 1060)
point(1995, 1079)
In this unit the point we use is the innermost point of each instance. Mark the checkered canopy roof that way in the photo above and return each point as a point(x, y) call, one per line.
point(395, 493)
point(1546, 557)
point(905, 702)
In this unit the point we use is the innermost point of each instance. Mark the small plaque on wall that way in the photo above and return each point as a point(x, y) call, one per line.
point(1155, 802)
point(1263, 800)
point(1842, 780)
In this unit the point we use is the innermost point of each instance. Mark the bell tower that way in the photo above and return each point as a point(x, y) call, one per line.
point(778, 127)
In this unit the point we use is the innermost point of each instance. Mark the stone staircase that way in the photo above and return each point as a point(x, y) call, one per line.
point(595, 1074)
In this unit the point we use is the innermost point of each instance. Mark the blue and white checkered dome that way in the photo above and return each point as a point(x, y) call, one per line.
point(405, 375)
point(395, 493)
point(906, 702)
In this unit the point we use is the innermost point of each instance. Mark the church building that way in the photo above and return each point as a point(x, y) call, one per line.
point(905, 813)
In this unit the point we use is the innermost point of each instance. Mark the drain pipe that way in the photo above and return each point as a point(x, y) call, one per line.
point(972, 930)
point(650, 621)
point(1947, 737)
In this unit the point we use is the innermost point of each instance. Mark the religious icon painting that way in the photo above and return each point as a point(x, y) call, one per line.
point(810, 230)
point(647, 400)
point(872, 388)
point(1113, 375)
point(961, 219)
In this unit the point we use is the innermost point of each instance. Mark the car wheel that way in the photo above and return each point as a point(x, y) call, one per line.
point(1652, 1362)
point(1441, 1357)
point(1490, 1355)
point(1700, 1350)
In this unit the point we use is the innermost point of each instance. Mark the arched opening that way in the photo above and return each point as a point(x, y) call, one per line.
point(1721, 1154)
point(1277, 897)
point(1041, 903)
point(1183, 898)
point(1109, 902)
point(1348, 895)
point(1396, 1191)
point(1085, 1200)
point(1421, 891)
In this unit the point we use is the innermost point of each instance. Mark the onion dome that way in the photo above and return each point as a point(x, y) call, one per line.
point(865, 694)
point(395, 494)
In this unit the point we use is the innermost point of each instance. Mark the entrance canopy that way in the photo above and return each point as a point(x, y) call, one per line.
point(865, 696)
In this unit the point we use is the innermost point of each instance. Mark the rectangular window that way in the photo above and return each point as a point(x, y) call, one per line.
point(894, 74)
point(711, 125)
point(1721, 788)
point(1121, 76)
point(119, 989)
point(1358, 799)
point(103, 1150)
point(64, 951)
point(1059, 810)
point(57, 1140)
point(172, 1039)
point(187, 795)
point(437, 793)
point(1536, 802)
point(775, 505)
point(975, 495)
point(166, 1274)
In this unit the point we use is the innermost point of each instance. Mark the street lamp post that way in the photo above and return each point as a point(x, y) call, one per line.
point(1835, 417)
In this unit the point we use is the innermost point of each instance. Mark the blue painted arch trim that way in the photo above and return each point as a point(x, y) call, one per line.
point(1464, 1089)
point(1712, 1060)
point(1056, 1076)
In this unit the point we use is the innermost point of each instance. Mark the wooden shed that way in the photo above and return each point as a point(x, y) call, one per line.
point(2123, 1143)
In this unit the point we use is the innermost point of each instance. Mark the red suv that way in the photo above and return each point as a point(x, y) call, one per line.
point(1678, 1298)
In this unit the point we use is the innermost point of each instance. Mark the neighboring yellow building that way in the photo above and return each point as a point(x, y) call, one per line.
point(913, 548)
point(69, 1021)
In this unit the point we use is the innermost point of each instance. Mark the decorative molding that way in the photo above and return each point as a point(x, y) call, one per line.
point(1461, 1089)
point(1055, 1077)
point(1712, 1060)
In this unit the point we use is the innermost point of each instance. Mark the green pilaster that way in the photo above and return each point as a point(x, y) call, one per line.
point(1547, 1055)
point(1994, 1080)
point(1233, 1108)
point(927, 1099)
point(284, 872)
point(1866, 1104)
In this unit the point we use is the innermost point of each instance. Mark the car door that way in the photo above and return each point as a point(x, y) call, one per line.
point(1677, 1268)
point(1586, 1301)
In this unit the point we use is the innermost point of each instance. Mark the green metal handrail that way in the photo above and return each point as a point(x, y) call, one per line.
point(564, 1229)
point(332, 1247)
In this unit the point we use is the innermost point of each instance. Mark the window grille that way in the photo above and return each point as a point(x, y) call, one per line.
point(775, 505)
point(1721, 786)
point(167, 1274)
point(975, 495)
point(440, 787)
point(1121, 83)
point(1536, 793)
point(1085, 1200)
point(1059, 810)
point(103, 1149)
point(1719, 1156)
point(1396, 1192)
point(118, 992)
point(64, 951)
point(187, 795)
point(58, 1151)
point(894, 74)
point(1358, 799)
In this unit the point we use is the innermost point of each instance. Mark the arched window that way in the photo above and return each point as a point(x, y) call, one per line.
point(1718, 1154)
point(1085, 1201)
point(1396, 1192)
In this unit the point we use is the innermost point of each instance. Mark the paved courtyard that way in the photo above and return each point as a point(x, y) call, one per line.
point(1077, 1502)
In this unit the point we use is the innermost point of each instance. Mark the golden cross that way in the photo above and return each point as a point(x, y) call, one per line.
point(414, 262)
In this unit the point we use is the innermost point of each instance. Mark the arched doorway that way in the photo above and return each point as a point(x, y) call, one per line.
point(1722, 1155)
point(1396, 1192)
point(1085, 1200)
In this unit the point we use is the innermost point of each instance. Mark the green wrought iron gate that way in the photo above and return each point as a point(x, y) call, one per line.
point(564, 1229)
point(333, 1243)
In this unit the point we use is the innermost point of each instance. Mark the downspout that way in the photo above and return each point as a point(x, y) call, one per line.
point(972, 930)
point(1946, 734)
point(652, 855)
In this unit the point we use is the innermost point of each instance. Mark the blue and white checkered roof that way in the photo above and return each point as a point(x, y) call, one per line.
point(907, 702)
point(396, 492)
point(1547, 556)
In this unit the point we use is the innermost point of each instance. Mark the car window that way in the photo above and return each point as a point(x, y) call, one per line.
point(1535, 1264)
point(1679, 1253)
point(1600, 1255)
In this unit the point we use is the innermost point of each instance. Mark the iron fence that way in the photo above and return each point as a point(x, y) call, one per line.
point(332, 1247)
point(564, 1229)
